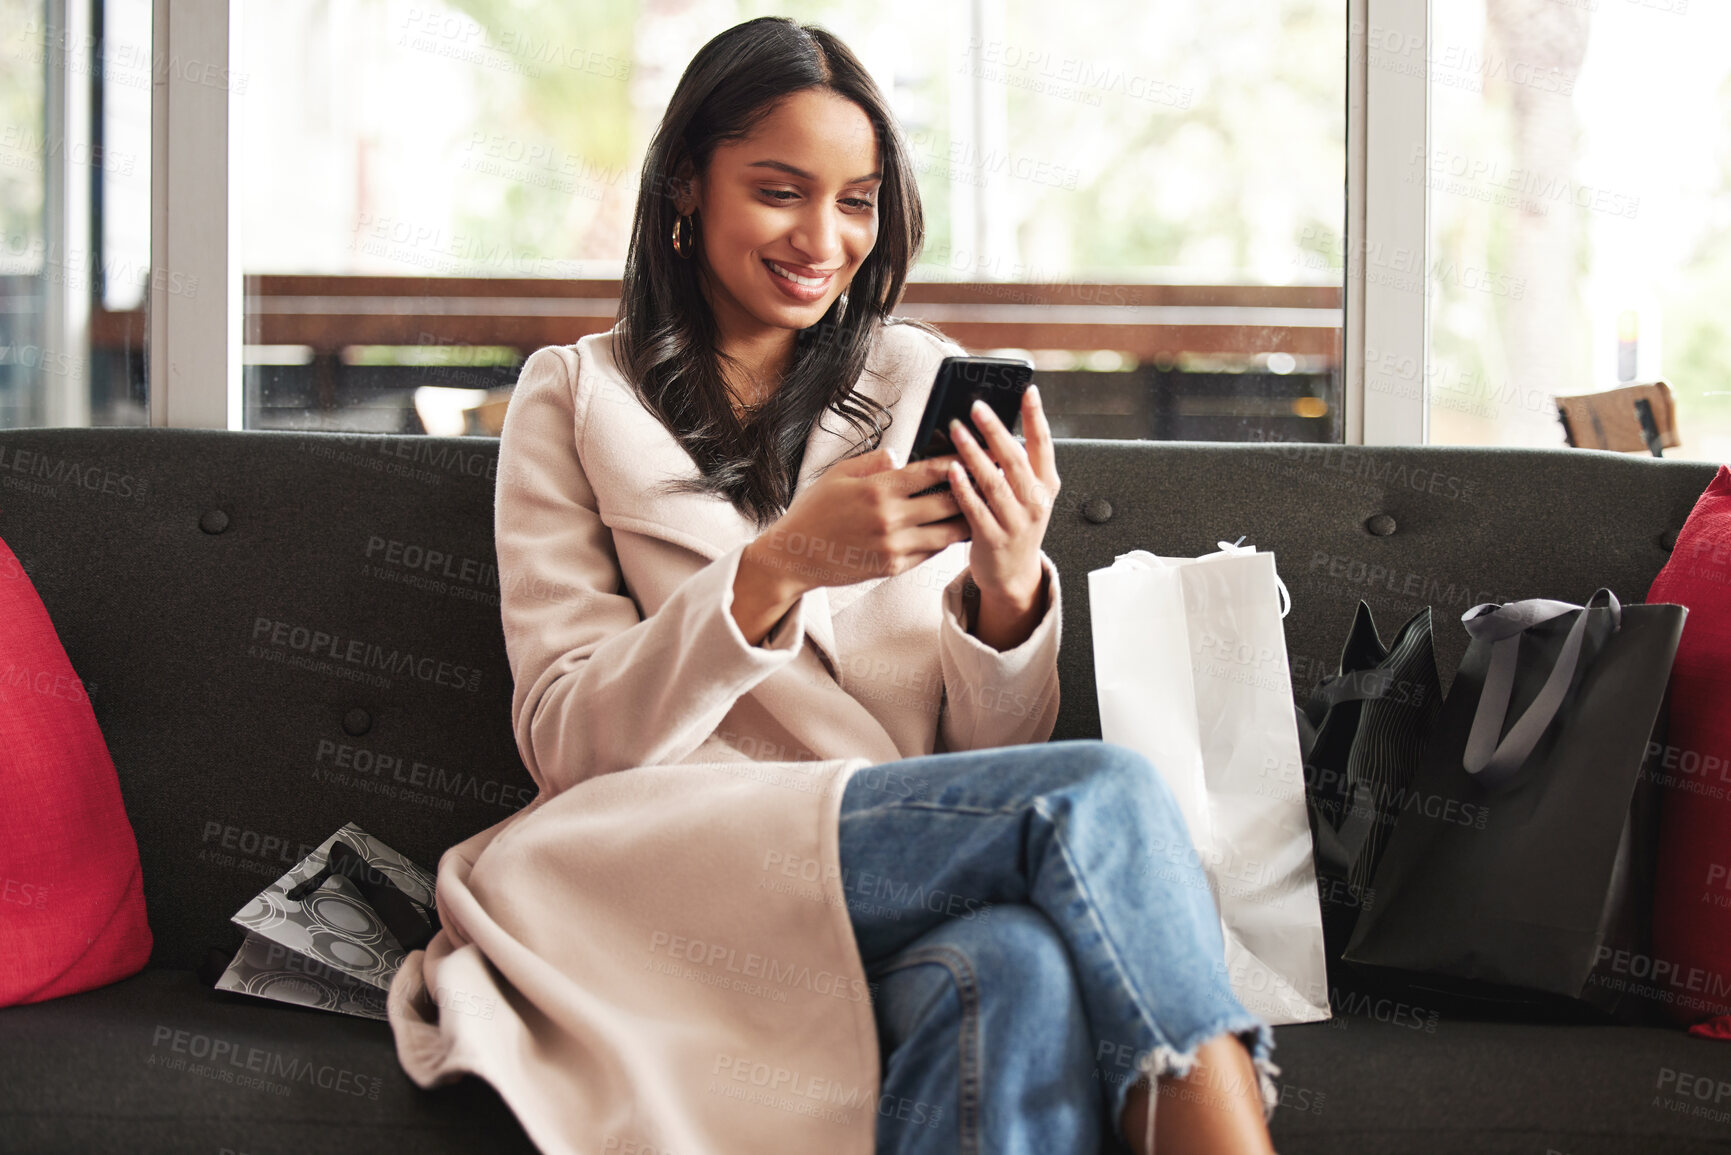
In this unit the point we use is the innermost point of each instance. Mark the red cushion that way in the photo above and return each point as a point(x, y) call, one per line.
point(71, 894)
point(1692, 903)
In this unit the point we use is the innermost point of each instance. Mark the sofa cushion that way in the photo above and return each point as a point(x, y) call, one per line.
point(160, 1063)
point(214, 584)
point(1391, 1077)
point(71, 895)
point(1692, 899)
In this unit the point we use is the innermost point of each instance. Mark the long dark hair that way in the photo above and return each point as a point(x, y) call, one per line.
point(667, 335)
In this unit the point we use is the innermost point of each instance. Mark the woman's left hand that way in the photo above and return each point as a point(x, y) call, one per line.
point(1009, 513)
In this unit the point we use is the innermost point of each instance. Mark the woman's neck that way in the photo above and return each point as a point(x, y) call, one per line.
point(755, 374)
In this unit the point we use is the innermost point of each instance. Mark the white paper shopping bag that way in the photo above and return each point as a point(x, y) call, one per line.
point(1190, 667)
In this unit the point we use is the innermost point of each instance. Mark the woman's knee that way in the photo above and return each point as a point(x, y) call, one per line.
point(1109, 771)
point(1013, 942)
point(1008, 952)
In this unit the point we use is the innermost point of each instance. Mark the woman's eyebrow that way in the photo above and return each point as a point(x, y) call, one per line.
point(802, 174)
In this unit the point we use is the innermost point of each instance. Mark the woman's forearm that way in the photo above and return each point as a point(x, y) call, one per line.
point(762, 595)
point(1005, 623)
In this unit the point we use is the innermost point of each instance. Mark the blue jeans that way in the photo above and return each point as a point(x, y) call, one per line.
point(1030, 953)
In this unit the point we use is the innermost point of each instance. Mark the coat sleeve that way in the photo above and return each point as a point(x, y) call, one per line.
point(994, 698)
point(598, 687)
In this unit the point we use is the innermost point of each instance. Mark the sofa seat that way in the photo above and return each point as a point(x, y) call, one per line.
point(161, 1063)
point(1398, 1079)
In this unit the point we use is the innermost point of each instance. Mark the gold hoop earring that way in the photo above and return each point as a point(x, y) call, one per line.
point(683, 233)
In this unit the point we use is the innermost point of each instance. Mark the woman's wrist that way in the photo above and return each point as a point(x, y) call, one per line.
point(1006, 620)
point(763, 592)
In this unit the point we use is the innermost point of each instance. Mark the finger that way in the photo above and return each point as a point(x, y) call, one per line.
point(918, 475)
point(934, 539)
point(1006, 450)
point(862, 464)
point(981, 519)
point(933, 507)
point(1041, 451)
point(1003, 503)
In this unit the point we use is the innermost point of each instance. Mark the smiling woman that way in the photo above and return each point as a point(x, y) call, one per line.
point(783, 242)
point(681, 924)
point(809, 174)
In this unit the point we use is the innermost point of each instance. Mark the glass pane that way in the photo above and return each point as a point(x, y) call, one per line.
point(74, 215)
point(1169, 211)
point(1580, 183)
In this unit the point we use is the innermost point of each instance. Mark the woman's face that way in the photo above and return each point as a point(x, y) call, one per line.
point(799, 195)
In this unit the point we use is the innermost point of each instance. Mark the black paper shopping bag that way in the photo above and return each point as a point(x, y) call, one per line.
point(1521, 860)
point(1367, 727)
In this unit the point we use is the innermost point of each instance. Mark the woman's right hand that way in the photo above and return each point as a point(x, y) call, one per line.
point(859, 520)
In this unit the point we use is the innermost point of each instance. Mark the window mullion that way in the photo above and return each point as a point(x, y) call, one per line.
point(195, 285)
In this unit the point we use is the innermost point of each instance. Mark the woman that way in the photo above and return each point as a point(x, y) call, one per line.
point(804, 873)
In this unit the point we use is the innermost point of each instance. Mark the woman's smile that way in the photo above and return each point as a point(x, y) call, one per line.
point(801, 287)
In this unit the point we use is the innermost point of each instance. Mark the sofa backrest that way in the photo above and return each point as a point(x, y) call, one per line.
point(283, 632)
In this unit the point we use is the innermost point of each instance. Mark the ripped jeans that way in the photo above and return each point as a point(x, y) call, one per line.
point(1030, 954)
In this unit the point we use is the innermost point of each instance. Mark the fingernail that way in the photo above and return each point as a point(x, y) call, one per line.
point(1034, 392)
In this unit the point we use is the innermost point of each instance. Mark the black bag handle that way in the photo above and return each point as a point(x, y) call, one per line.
point(1486, 758)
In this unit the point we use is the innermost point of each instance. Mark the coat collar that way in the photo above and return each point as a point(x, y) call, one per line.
point(628, 452)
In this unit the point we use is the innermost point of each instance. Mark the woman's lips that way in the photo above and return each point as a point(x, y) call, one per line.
point(802, 293)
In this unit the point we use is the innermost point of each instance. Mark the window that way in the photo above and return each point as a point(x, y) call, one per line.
point(74, 211)
point(1143, 199)
point(1580, 191)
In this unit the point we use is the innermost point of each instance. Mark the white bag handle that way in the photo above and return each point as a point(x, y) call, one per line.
point(1235, 547)
point(1142, 559)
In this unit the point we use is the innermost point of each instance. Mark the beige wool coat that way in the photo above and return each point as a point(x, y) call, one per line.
point(655, 955)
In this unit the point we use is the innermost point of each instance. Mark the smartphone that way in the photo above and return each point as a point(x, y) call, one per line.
point(998, 381)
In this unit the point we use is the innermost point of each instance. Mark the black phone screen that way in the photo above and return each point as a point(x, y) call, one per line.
point(998, 381)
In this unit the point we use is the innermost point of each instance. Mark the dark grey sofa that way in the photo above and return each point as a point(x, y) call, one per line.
point(168, 559)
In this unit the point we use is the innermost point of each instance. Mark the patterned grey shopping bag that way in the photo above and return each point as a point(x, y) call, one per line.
point(332, 932)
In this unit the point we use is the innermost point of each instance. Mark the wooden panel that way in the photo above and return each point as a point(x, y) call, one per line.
point(1144, 321)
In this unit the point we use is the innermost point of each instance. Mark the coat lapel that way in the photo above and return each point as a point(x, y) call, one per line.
point(623, 440)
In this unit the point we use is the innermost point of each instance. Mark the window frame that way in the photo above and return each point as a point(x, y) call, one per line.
point(194, 339)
